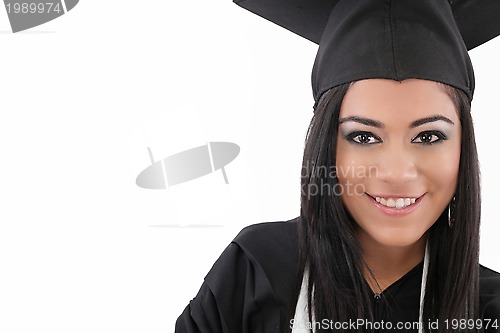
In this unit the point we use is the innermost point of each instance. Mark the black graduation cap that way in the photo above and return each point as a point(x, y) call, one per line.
point(393, 39)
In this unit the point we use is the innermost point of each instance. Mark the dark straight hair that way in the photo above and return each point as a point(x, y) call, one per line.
point(331, 254)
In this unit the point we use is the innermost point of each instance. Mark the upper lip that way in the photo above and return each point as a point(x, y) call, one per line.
point(395, 195)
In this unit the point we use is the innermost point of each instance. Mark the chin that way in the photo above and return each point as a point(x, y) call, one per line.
point(396, 238)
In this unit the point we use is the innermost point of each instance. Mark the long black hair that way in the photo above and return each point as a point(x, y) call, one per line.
point(329, 249)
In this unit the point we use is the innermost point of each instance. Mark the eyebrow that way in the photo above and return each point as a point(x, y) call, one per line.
point(364, 121)
point(431, 119)
point(378, 124)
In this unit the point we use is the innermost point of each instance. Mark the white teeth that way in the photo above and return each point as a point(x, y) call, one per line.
point(398, 203)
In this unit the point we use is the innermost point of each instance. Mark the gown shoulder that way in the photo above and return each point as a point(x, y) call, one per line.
point(273, 245)
point(249, 287)
point(489, 298)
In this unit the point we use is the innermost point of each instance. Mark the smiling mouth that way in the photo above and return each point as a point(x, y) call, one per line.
point(396, 202)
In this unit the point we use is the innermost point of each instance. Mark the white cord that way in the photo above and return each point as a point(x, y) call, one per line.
point(422, 289)
point(301, 318)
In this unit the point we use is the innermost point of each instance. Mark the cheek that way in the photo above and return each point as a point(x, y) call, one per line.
point(353, 166)
point(440, 170)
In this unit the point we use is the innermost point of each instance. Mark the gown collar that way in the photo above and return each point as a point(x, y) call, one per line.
point(301, 318)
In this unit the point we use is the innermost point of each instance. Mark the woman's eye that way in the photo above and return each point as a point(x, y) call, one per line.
point(363, 138)
point(429, 137)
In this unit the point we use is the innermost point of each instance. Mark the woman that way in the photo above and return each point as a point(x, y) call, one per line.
point(388, 236)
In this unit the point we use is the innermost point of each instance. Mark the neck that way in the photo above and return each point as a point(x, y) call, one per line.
point(389, 263)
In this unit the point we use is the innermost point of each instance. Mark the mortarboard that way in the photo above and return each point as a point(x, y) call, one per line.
point(393, 39)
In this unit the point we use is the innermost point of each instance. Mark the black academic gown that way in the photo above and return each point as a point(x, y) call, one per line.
point(250, 286)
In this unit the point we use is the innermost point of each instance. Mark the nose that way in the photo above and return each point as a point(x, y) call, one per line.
point(397, 166)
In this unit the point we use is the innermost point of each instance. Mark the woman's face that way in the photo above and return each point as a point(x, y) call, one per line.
point(398, 153)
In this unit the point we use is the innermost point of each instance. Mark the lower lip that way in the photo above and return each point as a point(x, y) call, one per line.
point(395, 211)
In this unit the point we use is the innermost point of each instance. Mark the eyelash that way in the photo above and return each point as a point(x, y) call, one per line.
point(352, 137)
point(440, 137)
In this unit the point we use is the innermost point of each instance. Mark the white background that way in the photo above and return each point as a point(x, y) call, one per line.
point(82, 248)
